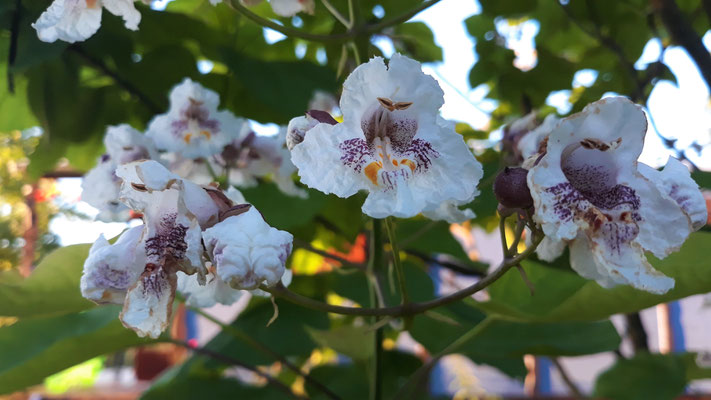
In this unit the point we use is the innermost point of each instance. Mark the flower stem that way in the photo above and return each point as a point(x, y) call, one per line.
point(375, 265)
point(396, 260)
point(336, 14)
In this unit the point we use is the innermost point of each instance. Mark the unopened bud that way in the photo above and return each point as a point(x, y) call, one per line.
point(511, 188)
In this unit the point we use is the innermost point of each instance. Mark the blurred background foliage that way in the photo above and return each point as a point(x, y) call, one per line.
point(73, 91)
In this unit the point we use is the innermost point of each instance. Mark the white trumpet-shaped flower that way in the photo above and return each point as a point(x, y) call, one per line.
point(391, 143)
point(100, 187)
point(246, 251)
point(193, 127)
point(77, 20)
point(590, 191)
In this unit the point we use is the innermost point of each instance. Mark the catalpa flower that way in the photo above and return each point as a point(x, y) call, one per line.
point(391, 143)
point(590, 191)
point(193, 127)
point(77, 20)
point(140, 269)
point(100, 187)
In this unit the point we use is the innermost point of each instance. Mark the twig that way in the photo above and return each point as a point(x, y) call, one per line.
point(336, 14)
point(445, 261)
point(337, 37)
point(128, 86)
point(567, 380)
point(406, 309)
point(12, 52)
point(636, 332)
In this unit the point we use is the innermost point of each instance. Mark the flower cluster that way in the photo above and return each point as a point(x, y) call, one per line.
point(587, 189)
point(141, 269)
point(209, 243)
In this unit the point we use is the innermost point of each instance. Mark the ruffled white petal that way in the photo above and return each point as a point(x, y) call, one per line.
point(318, 159)
point(675, 181)
point(449, 212)
point(110, 270)
point(126, 10)
point(149, 303)
point(100, 189)
point(125, 144)
point(246, 251)
point(69, 20)
point(214, 291)
point(549, 249)
point(289, 8)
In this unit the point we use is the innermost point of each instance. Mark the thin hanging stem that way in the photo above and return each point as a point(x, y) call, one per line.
point(336, 14)
point(396, 260)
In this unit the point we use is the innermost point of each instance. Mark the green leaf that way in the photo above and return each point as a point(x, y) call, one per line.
point(52, 288)
point(271, 201)
point(416, 40)
point(562, 295)
point(354, 341)
point(35, 348)
point(285, 87)
point(644, 377)
point(350, 381)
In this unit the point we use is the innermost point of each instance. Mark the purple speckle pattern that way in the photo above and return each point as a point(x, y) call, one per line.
point(106, 277)
point(169, 241)
point(355, 153)
point(611, 211)
point(423, 153)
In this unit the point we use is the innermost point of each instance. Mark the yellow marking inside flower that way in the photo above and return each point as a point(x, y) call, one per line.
point(371, 171)
point(187, 137)
point(409, 163)
point(206, 134)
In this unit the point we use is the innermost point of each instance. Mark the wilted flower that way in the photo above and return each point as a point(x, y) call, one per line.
point(391, 143)
point(101, 185)
point(77, 20)
point(141, 267)
point(246, 251)
point(193, 127)
point(590, 191)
